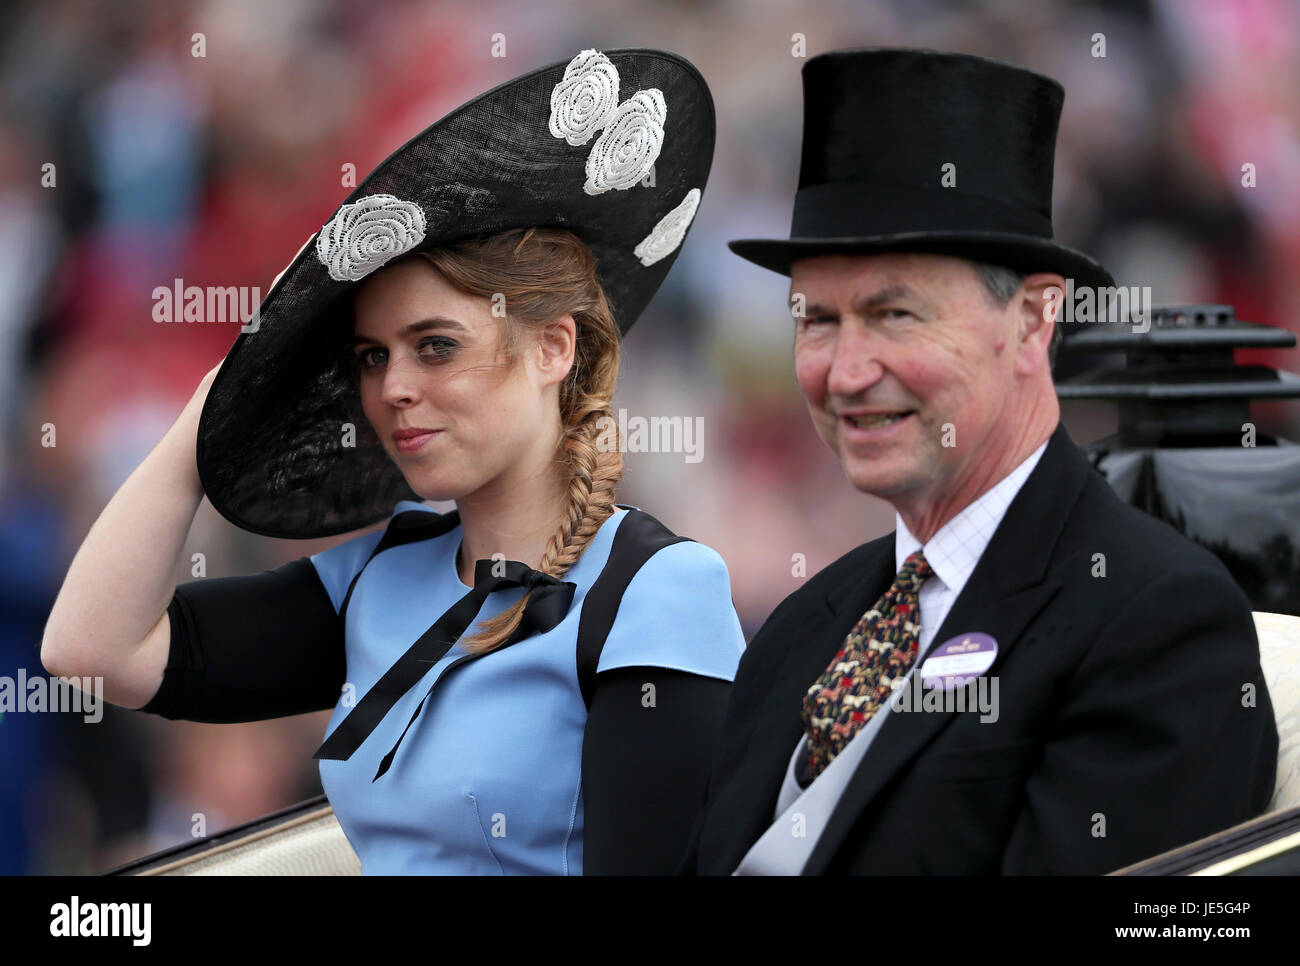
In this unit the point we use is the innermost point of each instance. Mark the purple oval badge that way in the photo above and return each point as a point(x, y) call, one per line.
point(959, 660)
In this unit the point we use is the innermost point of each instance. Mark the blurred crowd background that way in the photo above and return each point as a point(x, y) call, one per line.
point(214, 169)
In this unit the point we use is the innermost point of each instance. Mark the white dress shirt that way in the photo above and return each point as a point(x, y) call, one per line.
point(801, 814)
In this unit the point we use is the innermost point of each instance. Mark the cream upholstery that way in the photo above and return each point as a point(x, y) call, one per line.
point(1279, 653)
point(309, 844)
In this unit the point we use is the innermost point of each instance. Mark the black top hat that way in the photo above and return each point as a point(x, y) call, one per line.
point(614, 147)
point(924, 151)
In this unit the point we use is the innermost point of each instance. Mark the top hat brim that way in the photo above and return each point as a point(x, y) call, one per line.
point(284, 449)
point(1023, 253)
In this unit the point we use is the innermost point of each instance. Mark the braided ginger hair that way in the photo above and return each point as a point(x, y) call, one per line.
point(544, 273)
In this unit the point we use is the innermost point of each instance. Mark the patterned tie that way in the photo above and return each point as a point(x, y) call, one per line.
point(881, 647)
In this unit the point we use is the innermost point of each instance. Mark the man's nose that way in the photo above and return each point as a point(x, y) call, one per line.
point(855, 363)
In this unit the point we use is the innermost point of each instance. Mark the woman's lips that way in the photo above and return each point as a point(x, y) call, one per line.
point(412, 443)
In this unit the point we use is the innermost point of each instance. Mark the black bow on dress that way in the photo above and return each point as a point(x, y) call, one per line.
point(546, 607)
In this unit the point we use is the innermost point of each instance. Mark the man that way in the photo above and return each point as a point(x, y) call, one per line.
point(1081, 688)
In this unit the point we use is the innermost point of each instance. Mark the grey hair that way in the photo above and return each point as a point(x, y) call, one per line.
point(1001, 283)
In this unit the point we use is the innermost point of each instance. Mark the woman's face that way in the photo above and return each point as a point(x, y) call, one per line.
point(431, 359)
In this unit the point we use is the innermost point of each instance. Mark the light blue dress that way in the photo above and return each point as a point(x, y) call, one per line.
point(488, 780)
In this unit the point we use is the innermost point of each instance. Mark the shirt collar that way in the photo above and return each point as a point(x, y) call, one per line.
point(958, 545)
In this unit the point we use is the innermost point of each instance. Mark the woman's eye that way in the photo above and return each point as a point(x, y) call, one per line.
point(440, 347)
point(436, 349)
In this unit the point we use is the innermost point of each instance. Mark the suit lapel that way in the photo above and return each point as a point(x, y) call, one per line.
point(844, 604)
point(808, 649)
point(1004, 594)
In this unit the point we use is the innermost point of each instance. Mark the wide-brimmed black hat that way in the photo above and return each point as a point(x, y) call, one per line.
point(909, 150)
point(613, 146)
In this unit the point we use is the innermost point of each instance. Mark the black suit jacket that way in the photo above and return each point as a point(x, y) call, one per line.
point(1133, 714)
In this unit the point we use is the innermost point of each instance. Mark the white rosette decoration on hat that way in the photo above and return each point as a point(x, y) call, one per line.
point(669, 232)
point(366, 234)
point(630, 144)
point(584, 101)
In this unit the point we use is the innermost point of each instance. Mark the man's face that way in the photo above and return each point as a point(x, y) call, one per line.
point(907, 366)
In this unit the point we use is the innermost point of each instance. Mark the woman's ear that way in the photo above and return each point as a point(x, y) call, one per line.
point(556, 342)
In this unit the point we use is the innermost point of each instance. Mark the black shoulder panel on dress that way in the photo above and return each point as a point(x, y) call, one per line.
point(640, 536)
point(406, 527)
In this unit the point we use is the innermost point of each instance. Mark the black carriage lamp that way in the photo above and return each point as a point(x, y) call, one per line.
point(1186, 450)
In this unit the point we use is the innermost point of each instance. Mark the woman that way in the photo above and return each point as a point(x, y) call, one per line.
point(532, 683)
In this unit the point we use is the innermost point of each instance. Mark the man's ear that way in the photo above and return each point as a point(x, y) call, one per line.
point(1038, 313)
point(556, 342)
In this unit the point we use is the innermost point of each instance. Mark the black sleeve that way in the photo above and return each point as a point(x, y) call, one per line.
point(251, 648)
point(645, 765)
